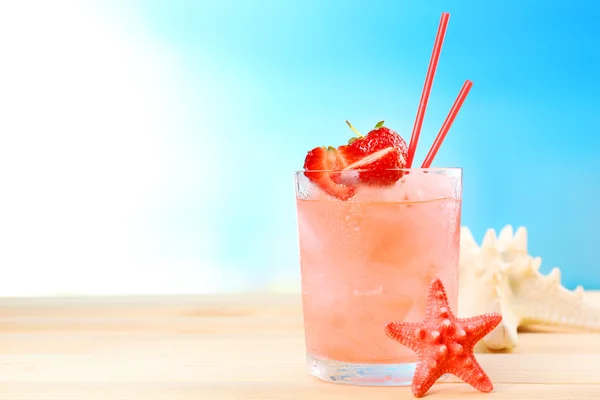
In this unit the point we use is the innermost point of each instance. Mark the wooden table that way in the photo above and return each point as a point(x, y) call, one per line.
point(233, 347)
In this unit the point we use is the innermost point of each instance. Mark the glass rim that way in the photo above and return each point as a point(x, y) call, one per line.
point(432, 169)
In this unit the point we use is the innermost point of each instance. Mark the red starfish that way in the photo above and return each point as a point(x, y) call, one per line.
point(444, 343)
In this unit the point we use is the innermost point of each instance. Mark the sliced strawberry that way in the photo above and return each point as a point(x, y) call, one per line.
point(322, 166)
point(347, 155)
point(378, 168)
point(378, 160)
point(384, 153)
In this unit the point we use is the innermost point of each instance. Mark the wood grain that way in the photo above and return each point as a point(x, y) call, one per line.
point(234, 347)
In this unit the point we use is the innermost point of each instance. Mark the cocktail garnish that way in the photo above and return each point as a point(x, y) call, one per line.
point(381, 153)
point(444, 343)
point(378, 156)
point(320, 166)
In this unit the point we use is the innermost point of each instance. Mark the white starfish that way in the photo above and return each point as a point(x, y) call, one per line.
point(501, 276)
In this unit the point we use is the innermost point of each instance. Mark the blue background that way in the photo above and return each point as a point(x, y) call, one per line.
point(250, 86)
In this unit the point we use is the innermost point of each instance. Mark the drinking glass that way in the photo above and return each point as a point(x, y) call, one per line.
point(369, 260)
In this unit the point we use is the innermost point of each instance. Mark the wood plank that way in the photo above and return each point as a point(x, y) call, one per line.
point(254, 359)
point(74, 341)
point(278, 391)
point(235, 305)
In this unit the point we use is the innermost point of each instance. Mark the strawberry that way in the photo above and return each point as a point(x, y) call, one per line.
point(377, 157)
point(321, 164)
point(382, 150)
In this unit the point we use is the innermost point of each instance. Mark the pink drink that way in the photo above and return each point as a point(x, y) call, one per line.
point(368, 261)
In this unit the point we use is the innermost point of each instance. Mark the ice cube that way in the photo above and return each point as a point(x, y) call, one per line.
point(415, 186)
point(423, 186)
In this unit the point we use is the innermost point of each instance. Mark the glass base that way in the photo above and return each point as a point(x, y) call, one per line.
point(362, 374)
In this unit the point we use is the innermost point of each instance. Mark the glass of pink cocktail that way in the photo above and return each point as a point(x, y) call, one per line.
point(374, 233)
point(368, 260)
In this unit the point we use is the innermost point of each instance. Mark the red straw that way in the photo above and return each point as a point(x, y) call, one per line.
point(437, 49)
point(447, 124)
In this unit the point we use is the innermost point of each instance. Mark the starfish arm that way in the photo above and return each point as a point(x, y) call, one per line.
point(407, 333)
point(424, 378)
point(436, 298)
point(479, 326)
point(471, 372)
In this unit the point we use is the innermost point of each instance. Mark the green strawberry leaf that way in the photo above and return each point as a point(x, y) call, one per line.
point(354, 129)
